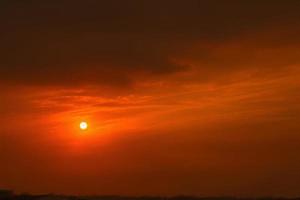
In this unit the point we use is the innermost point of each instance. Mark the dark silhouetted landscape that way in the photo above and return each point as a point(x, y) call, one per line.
point(9, 195)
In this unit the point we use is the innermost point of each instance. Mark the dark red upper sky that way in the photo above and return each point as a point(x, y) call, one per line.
point(181, 97)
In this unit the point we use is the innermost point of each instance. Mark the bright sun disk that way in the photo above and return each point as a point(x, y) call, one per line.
point(83, 125)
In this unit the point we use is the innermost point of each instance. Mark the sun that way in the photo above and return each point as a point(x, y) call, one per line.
point(83, 125)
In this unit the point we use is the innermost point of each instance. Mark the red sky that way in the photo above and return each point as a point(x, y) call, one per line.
point(196, 98)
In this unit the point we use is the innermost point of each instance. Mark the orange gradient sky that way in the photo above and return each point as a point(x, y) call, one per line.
point(196, 98)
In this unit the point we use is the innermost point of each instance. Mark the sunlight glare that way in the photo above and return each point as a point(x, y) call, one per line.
point(83, 125)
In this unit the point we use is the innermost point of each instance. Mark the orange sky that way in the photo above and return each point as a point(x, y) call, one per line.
point(196, 98)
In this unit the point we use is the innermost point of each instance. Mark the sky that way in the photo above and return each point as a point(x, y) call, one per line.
point(181, 97)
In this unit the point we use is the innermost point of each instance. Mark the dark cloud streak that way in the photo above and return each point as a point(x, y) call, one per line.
point(115, 43)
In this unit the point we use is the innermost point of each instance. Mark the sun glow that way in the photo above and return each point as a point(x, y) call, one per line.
point(83, 125)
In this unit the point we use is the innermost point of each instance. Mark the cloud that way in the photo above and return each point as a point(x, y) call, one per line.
point(190, 97)
point(70, 43)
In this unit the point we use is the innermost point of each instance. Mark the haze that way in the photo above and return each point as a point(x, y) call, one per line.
point(181, 97)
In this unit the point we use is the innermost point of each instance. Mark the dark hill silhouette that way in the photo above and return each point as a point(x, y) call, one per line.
point(9, 195)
